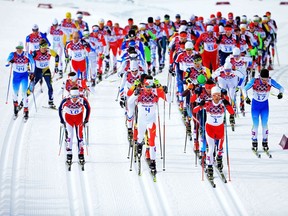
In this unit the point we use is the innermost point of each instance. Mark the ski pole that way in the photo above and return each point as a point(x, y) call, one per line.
point(277, 55)
point(164, 138)
point(61, 135)
point(86, 132)
point(227, 153)
point(186, 135)
point(159, 126)
point(34, 101)
point(9, 84)
point(117, 94)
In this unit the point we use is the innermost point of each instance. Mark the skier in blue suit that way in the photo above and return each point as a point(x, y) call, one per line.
point(260, 106)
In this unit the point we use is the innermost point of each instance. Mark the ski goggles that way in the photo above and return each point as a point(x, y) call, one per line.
point(188, 49)
point(74, 96)
point(44, 46)
point(148, 83)
point(134, 71)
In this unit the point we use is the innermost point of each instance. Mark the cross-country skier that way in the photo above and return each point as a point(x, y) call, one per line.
point(19, 61)
point(73, 108)
point(33, 39)
point(260, 105)
point(214, 127)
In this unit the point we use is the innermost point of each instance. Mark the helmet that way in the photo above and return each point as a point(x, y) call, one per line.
point(133, 65)
point(215, 90)
point(19, 45)
point(109, 23)
point(189, 45)
point(236, 51)
point(210, 28)
point(101, 21)
point(227, 66)
point(55, 22)
point(182, 28)
point(68, 15)
point(201, 79)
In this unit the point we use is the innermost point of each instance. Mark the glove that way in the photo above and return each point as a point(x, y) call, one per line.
point(146, 44)
point(137, 91)
point(189, 80)
point(198, 91)
point(165, 89)
point(122, 102)
point(202, 103)
point(225, 102)
point(171, 70)
point(102, 56)
point(67, 60)
point(280, 95)
point(137, 83)
point(85, 123)
point(223, 92)
point(56, 70)
point(248, 101)
point(31, 76)
point(157, 83)
point(7, 64)
point(107, 57)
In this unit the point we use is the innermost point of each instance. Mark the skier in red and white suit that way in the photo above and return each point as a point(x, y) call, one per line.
point(78, 50)
point(214, 127)
point(147, 98)
point(73, 109)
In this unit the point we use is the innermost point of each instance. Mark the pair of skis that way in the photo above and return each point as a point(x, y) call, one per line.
point(221, 175)
point(258, 154)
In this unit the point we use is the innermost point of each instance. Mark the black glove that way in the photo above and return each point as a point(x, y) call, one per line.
point(85, 122)
point(202, 103)
point(223, 92)
point(248, 101)
point(171, 70)
point(122, 102)
point(137, 91)
point(225, 102)
point(63, 123)
point(198, 91)
point(280, 95)
point(165, 89)
point(31, 76)
point(107, 56)
point(56, 70)
point(146, 43)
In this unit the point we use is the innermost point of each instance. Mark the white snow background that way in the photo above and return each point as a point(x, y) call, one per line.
point(34, 179)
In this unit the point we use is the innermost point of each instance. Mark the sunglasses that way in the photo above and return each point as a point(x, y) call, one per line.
point(189, 49)
point(148, 86)
point(44, 46)
point(75, 37)
point(134, 71)
point(228, 70)
point(74, 96)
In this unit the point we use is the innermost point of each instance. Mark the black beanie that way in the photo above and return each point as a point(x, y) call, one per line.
point(150, 20)
point(264, 73)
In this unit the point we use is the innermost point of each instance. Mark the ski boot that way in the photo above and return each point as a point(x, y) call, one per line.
point(69, 159)
point(202, 158)
point(219, 163)
point(149, 72)
point(265, 145)
point(93, 82)
point(81, 158)
point(20, 105)
point(184, 114)
point(152, 165)
point(51, 104)
point(130, 134)
point(196, 146)
point(254, 145)
point(232, 121)
point(60, 74)
point(99, 78)
point(107, 67)
point(26, 113)
point(210, 172)
point(139, 149)
point(154, 71)
point(15, 108)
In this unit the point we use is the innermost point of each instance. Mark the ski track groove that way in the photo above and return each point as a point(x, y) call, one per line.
point(13, 142)
point(154, 195)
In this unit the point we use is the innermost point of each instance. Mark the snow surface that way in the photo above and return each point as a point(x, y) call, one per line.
point(34, 180)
